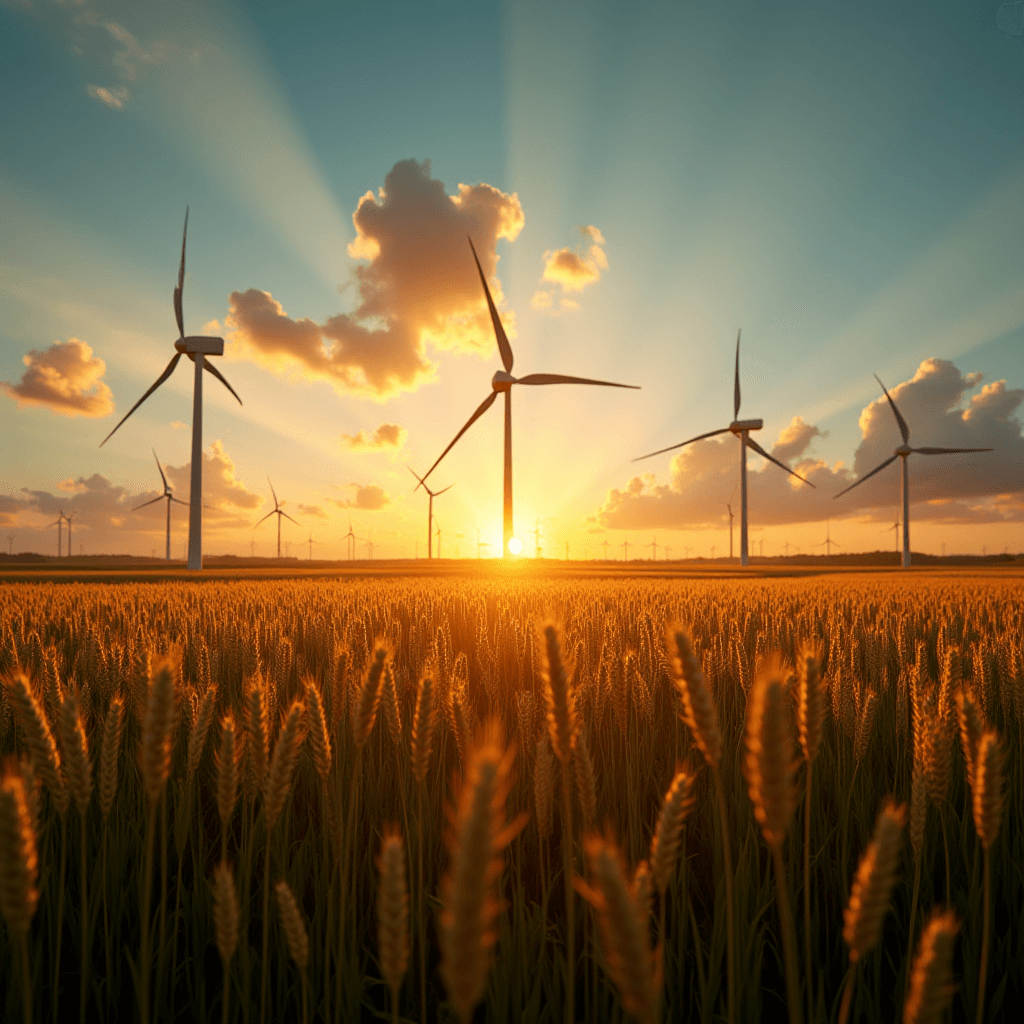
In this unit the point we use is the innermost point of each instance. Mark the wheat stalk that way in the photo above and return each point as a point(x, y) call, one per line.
point(931, 977)
point(225, 924)
point(667, 839)
point(583, 771)
point(368, 701)
point(769, 769)
point(468, 906)
point(42, 747)
point(295, 936)
point(393, 914)
point(227, 764)
point(624, 934)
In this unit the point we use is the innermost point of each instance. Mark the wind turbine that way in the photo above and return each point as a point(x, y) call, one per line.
point(902, 452)
point(729, 507)
point(828, 543)
point(605, 545)
point(60, 532)
point(502, 382)
point(351, 538)
point(278, 511)
point(67, 519)
point(742, 429)
point(625, 547)
point(197, 348)
point(430, 509)
point(169, 496)
point(311, 542)
point(654, 548)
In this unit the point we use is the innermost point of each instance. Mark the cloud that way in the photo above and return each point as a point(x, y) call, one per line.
point(116, 99)
point(419, 287)
point(66, 378)
point(387, 437)
point(178, 425)
point(572, 269)
point(315, 511)
point(368, 497)
point(104, 511)
point(979, 488)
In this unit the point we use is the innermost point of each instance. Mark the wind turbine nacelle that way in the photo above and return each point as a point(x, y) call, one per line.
point(739, 426)
point(502, 381)
point(199, 343)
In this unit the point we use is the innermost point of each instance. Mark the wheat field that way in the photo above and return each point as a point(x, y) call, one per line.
point(513, 799)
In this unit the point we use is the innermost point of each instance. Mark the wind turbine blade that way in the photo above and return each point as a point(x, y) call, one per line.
point(481, 409)
point(559, 378)
point(904, 429)
point(161, 468)
point(180, 502)
point(877, 469)
point(266, 517)
point(736, 386)
point(499, 331)
point(414, 473)
point(448, 488)
point(272, 492)
point(163, 376)
point(153, 502)
point(948, 451)
point(213, 369)
point(682, 444)
point(751, 443)
point(285, 514)
point(181, 282)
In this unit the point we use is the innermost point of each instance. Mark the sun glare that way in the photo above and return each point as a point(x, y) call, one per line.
point(515, 545)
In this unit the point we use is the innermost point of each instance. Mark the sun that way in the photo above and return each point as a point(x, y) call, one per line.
point(515, 545)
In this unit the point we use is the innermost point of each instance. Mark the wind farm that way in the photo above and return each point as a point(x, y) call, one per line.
point(627, 740)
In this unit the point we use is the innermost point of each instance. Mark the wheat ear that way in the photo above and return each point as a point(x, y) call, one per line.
point(110, 751)
point(479, 836)
point(42, 748)
point(225, 924)
point(931, 977)
point(625, 937)
point(393, 914)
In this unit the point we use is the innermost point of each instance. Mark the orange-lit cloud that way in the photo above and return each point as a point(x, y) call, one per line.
point(977, 488)
point(572, 269)
point(419, 287)
point(116, 99)
point(314, 511)
point(388, 437)
point(66, 378)
point(368, 497)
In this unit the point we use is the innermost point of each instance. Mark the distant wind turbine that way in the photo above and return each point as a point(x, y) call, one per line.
point(311, 542)
point(60, 532)
point(502, 382)
point(169, 496)
point(902, 452)
point(196, 347)
point(278, 511)
point(654, 548)
point(430, 508)
point(742, 429)
point(67, 519)
point(729, 507)
point(351, 538)
point(828, 543)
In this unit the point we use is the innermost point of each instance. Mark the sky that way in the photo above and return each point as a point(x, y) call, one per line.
point(843, 183)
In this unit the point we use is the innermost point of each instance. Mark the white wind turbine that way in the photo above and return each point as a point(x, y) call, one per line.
point(742, 429)
point(60, 532)
point(276, 511)
point(197, 347)
point(430, 509)
point(502, 382)
point(169, 496)
point(902, 452)
point(352, 539)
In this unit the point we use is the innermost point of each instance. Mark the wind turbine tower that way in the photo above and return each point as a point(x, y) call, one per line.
point(430, 508)
point(67, 519)
point(197, 348)
point(502, 383)
point(903, 452)
point(279, 512)
point(729, 507)
point(60, 532)
point(741, 429)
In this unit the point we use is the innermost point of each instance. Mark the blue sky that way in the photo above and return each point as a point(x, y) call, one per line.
point(843, 182)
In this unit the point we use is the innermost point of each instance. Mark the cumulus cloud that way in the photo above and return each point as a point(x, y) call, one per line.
point(314, 511)
point(388, 437)
point(368, 497)
point(66, 378)
point(976, 488)
point(116, 99)
point(418, 287)
point(104, 511)
point(572, 270)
